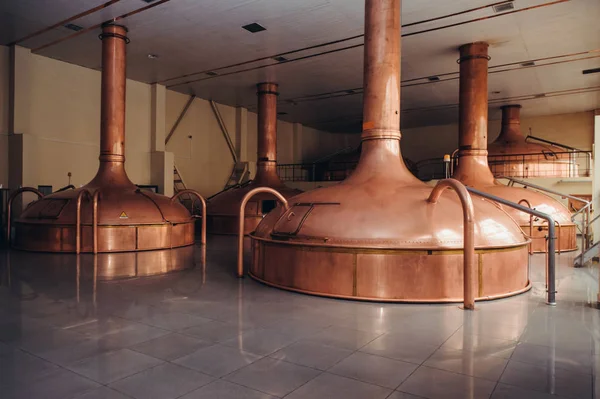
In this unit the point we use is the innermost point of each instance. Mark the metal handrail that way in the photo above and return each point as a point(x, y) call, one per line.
point(468, 231)
point(250, 194)
point(586, 208)
point(551, 263)
point(553, 143)
point(9, 206)
point(203, 202)
point(65, 188)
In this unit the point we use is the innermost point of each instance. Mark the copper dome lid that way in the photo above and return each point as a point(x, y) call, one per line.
point(473, 169)
point(375, 236)
point(128, 219)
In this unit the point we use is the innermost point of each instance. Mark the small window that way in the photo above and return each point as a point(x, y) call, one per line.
point(45, 189)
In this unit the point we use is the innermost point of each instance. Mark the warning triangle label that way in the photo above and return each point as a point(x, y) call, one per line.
point(123, 215)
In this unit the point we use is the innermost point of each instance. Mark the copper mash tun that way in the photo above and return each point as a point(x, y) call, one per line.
point(223, 208)
point(109, 214)
point(377, 235)
point(473, 170)
point(513, 156)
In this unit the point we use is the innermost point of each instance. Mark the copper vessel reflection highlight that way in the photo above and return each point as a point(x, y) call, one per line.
point(110, 213)
point(375, 236)
point(513, 156)
point(223, 209)
point(473, 170)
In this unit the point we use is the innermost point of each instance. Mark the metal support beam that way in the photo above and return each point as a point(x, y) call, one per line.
point(180, 118)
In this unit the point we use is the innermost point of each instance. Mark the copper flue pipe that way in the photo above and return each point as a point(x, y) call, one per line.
point(267, 123)
point(381, 98)
point(469, 235)
point(203, 204)
point(112, 125)
point(247, 197)
point(473, 98)
point(511, 123)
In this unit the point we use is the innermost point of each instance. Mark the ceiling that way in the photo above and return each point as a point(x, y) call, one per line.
point(321, 41)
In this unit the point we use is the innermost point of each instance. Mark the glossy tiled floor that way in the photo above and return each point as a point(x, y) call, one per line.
point(176, 337)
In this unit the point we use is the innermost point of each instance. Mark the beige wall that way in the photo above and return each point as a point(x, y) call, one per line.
point(575, 130)
point(4, 113)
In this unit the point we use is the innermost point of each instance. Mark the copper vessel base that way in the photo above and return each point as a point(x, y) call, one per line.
point(422, 276)
point(44, 237)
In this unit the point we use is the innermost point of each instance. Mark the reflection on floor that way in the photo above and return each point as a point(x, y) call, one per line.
point(202, 333)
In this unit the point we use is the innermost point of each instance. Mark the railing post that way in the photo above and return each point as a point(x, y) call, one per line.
point(203, 203)
point(250, 194)
point(80, 195)
point(9, 207)
point(469, 234)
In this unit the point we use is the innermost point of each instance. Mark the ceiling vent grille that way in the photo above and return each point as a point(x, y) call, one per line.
point(508, 6)
point(74, 27)
point(148, 1)
point(539, 95)
point(280, 59)
point(433, 78)
point(528, 64)
point(211, 73)
point(282, 113)
point(254, 27)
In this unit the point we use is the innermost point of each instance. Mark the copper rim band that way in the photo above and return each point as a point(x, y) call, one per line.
point(473, 56)
point(380, 134)
point(104, 35)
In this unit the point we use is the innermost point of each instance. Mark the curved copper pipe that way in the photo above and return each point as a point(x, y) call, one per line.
point(9, 206)
point(526, 202)
point(252, 193)
point(83, 192)
point(95, 222)
point(469, 234)
point(203, 202)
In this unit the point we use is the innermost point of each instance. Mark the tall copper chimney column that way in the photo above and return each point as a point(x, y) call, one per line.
point(473, 168)
point(112, 113)
point(381, 99)
point(473, 115)
point(266, 168)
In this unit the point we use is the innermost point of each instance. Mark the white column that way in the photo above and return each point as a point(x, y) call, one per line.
point(161, 162)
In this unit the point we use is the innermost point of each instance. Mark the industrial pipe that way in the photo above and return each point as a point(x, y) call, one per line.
point(530, 225)
point(83, 192)
point(469, 235)
point(203, 202)
point(250, 194)
point(551, 263)
point(9, 206)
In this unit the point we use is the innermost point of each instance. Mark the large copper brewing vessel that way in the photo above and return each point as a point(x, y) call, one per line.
point(127, 218)
point(473, 169)
point(512, 156)
point(223, 209)
point(375, 236)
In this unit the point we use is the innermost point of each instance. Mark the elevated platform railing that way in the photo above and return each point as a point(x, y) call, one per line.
point(584, 226)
